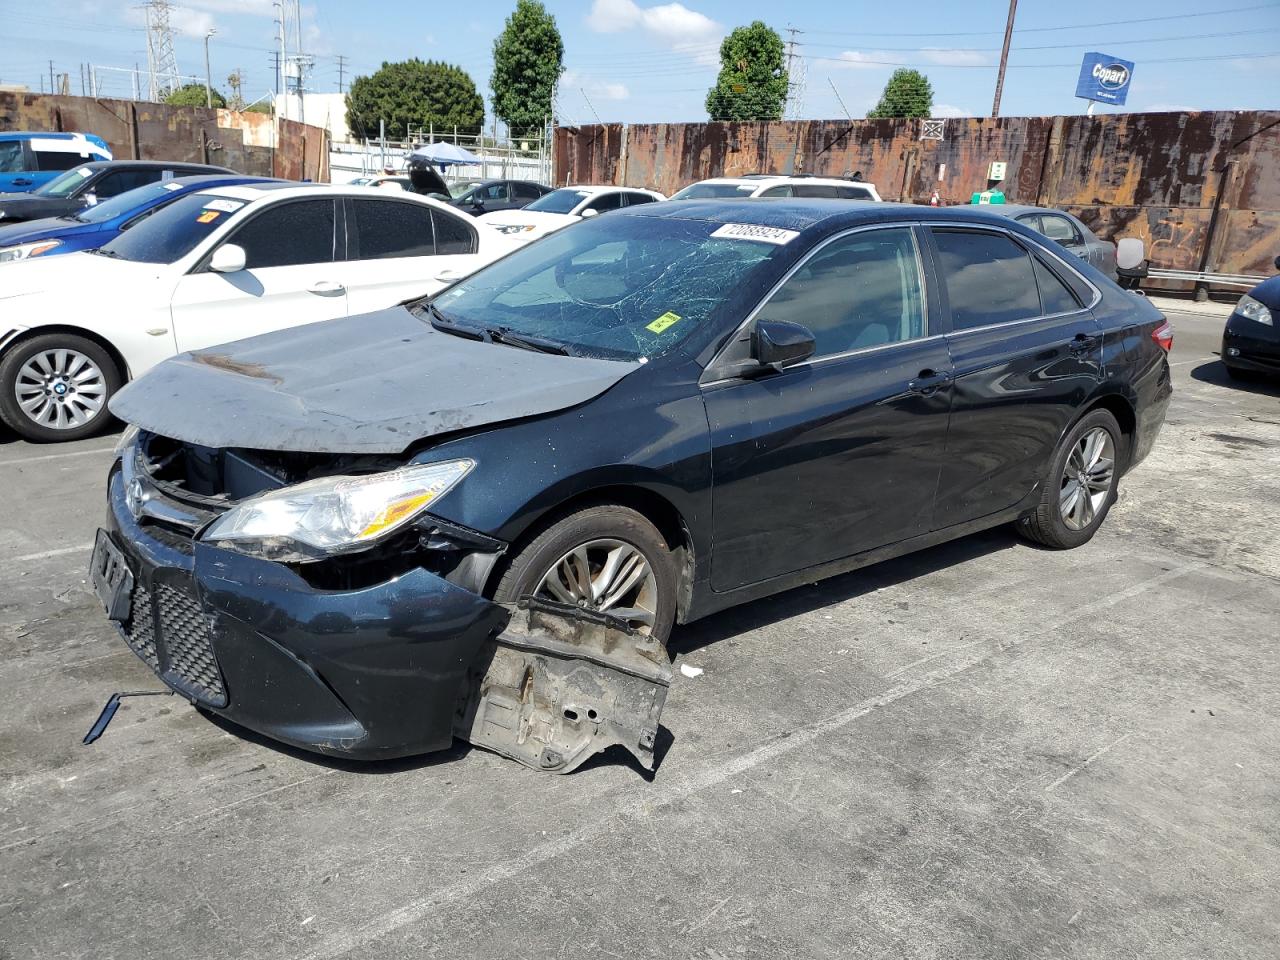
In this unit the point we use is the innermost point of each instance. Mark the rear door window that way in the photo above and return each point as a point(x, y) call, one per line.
point(1060, 229)
point(635, 199)
point(390, 228)
point(454, 234)
point(605, 202)
point(1055, 296)
point(57, 159)
point(782, 191)
point(527, 191)
point(989, 278)
point(288, 234)
point(118, 181)
point(823, 190)
point(853, 193)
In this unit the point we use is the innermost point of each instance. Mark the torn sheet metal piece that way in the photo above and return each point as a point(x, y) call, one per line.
point(552, 690)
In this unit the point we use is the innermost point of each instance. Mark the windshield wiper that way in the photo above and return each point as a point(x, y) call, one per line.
point(442, 323)
point(70, 218)
point(104, 252)
point(527, 342)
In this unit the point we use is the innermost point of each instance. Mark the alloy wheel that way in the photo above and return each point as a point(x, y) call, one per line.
point(1087, 478)
point(60, 389)
point(607, 576)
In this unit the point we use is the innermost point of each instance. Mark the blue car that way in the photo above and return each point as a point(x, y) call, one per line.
point(91, 227)
point(29, 160)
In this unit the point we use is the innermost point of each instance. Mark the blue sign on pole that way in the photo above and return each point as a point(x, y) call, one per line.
point(1105, 79)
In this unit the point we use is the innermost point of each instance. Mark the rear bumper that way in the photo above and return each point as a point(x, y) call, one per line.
point(1154, 391)
point(370, 673)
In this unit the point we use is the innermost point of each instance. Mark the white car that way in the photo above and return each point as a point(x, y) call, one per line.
point(768, 185)
point(559, 208)
point(219, 265)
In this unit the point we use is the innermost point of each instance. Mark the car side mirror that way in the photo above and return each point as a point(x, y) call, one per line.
point(780, 343)
point(228, 258)
point(589, 212)
point(91, 199)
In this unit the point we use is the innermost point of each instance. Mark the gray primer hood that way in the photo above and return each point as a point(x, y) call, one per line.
point(372, 383)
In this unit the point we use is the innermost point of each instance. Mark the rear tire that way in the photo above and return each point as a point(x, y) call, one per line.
point(592, 558)
point(56, 387)
point(1080, 486)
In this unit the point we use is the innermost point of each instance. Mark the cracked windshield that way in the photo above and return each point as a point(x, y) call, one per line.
point(625, 288)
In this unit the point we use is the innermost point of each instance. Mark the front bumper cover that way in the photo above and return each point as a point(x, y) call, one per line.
point(390, 670)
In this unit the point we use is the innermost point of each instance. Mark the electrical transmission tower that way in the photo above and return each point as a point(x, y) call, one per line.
point(162, 61)
point(796, 76)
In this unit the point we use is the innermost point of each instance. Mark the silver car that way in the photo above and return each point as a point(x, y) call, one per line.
point(1065, 230)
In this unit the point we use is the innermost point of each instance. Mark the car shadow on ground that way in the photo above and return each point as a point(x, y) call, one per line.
point(848, 586)
point(1215, 372)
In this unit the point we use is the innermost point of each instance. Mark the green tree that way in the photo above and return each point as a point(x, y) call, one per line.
point(528, 58)
point(752, 83)
point(418, 93)
point(192, 95)
point(907, 94)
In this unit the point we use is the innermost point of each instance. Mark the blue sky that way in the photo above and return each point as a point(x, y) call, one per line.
point(634, 61)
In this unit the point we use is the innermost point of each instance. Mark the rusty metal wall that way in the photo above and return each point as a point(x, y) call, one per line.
point(158, 131)
point(1149, 175)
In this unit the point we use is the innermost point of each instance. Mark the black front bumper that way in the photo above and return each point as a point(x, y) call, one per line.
point(1248, 345)
point(369, 673)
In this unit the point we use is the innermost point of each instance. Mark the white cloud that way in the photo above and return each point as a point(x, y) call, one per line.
point(191, 23)
point(948, 110)
point(955, 58)
point(595, 88)
point(1164, 108)
point(673, 24)
point(252, 8)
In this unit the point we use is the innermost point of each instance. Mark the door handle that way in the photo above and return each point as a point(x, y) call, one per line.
point(927, 382)
point(327, 288)
point(22, 181)
point(1083, 343)
point(448, 276)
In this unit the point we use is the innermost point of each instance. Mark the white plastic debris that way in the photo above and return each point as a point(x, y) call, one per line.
point(689, 671)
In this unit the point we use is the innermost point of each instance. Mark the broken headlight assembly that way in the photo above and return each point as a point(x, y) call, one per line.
point(510, 228)
point(333, 515)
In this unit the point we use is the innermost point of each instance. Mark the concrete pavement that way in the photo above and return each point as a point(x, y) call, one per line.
point(983, 750)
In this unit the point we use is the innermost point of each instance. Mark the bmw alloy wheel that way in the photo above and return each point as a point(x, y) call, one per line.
point(1086, 478)
point(60, 389)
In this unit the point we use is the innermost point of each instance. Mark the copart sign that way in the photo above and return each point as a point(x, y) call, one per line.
point(1104, 78)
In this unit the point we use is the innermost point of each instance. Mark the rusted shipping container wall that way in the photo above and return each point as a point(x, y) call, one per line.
point(158, 131)
point(1150, 175)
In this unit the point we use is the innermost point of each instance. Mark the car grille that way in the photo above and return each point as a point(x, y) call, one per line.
point(140, 631)
point(181, 649)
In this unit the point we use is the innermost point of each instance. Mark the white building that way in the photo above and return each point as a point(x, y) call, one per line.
point(328, 110)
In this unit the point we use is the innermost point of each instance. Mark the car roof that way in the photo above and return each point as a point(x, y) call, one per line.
point(763, 179)
point(292, 189)
point(595, 188)
point(1018, 209)
point(789, 213)
point(151, 165)
point(40, 134)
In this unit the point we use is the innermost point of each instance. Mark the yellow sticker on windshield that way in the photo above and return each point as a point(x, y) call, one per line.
point(208, 216)
point(664, 321)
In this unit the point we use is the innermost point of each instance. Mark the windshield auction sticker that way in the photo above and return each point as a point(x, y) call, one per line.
point(664, 321)
point(750, 231)
point(223, 206)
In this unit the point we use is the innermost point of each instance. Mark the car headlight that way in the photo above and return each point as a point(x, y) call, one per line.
point(1251, 309)
point(333, 515)
point(22, 251)
point(514, 227)
point(126, 439)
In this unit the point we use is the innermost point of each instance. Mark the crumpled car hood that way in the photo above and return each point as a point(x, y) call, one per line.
point(373, 383)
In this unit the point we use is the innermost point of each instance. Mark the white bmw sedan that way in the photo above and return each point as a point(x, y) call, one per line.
point(560, 208)
point(211, 267)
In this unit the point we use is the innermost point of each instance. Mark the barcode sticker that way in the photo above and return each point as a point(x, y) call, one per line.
point(751, 231)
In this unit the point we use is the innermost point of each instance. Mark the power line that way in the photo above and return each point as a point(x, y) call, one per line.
point(1035, 66)
point(1064, 46)
point(1071, 26)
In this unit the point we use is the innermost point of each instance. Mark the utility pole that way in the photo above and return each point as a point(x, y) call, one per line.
point(839, 99)
point(342, 69)
point(50, 76)
point(1004, 58)
point(795, 84)
point(208, 85)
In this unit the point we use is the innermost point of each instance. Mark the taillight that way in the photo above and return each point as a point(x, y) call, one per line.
point(1163, 335)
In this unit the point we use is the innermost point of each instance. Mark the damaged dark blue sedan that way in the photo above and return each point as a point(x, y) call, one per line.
point(480, 516)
